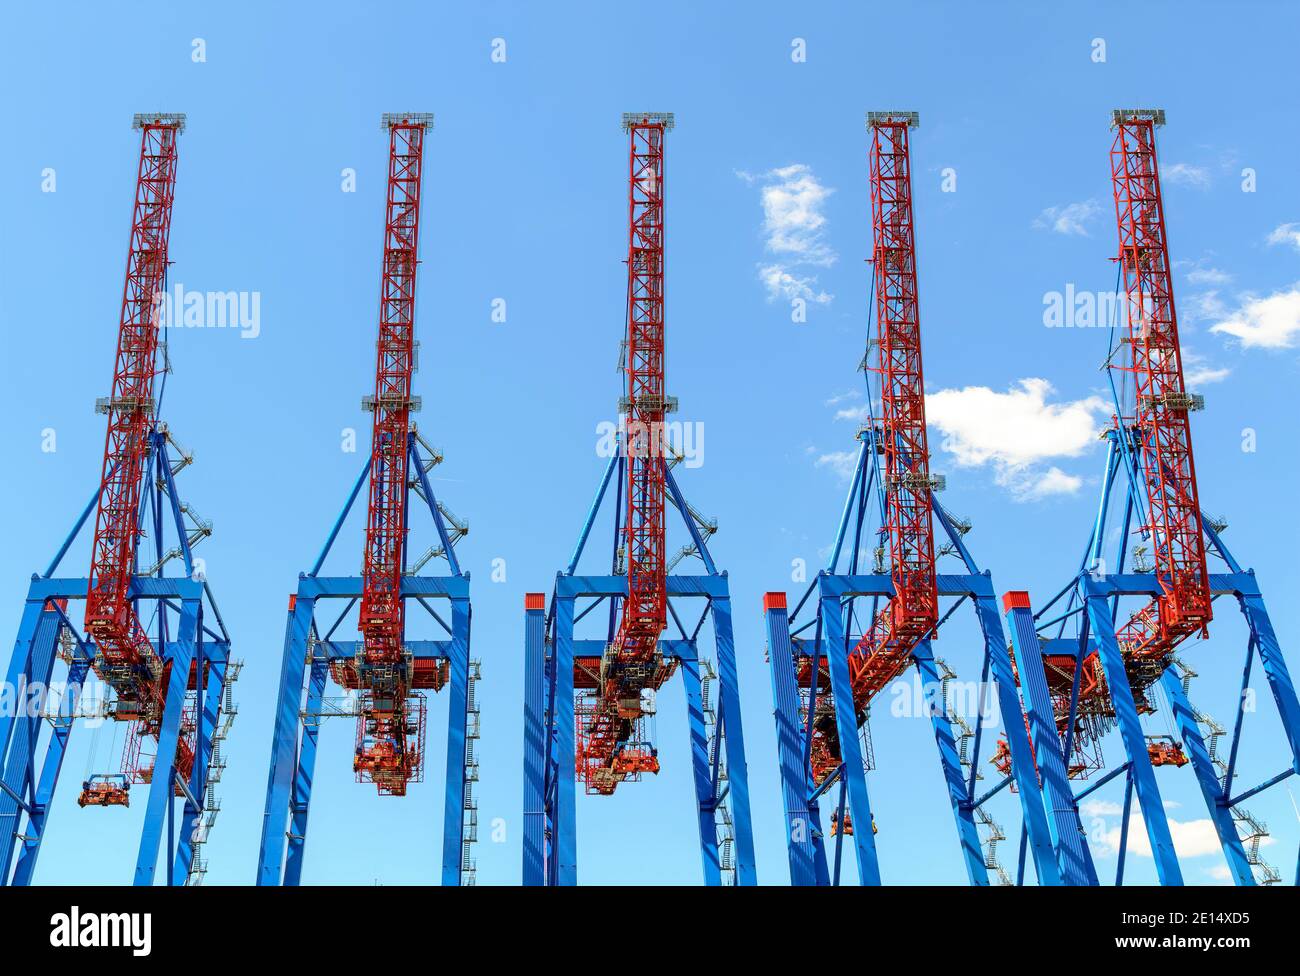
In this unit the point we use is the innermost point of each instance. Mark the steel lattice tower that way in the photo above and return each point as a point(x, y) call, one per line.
point(1096, 674)
point(168, 673)
point(386, 672)
point(588, 701)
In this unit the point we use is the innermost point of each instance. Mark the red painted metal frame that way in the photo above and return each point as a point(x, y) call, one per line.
point(884, 651)
point(110, 616)
point(645, 609)
point(1161, 403)
point(127, 660)
point(389, 745)
point(610, 724)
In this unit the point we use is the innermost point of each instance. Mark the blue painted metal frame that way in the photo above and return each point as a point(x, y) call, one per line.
point(26, 791)
point(1093, 596)
point(550, 854)
point(835, 594)
point(296, 733)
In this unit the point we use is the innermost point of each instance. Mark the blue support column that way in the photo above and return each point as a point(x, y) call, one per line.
point(305, 773)
point(284, 742)
point(19, 764)
point(163, 782)
point(536, 735)
point(802, 818)
point(850, 748)
point(689, 666)
point(1068, 838)
point(564, 801)
point(53, 764)
point(453, 827)
point(730, 728)
point(962, 810)
point(1022, 762)
point(191, 819)
point(1135, 745)
point(1216, 802)
point(1275, 669)
point(19, 662)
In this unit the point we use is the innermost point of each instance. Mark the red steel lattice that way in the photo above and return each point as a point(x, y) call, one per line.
point(900, 438)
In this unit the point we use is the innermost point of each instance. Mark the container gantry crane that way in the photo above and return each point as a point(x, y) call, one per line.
point(156, 642)
point(1095, 673)
point(385, 673)
point(826, 668)
point(588, 701)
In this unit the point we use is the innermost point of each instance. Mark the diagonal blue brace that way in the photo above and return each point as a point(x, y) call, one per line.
point(1068, 838)
point(1135, 744)
point(802, 818)
point(1189, 731)
point(854, 769)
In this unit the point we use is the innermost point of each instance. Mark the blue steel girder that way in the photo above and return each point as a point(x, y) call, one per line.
point(550, 790)
point(808, 862)
point(1241, 584)
point(190, 601)
point(295, 737)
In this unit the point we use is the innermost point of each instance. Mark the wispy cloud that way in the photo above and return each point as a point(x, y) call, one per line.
point(1072, 218)
point(1208, 276)
point(795, 227)
point(1272, 322)
point(1201, 372)
point(1016, 433)
point(841, 462)
point(1186, 174)
point(1286, 234)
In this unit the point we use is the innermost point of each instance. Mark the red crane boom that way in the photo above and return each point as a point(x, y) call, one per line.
point(610, 746)
point(390, 727)
point(884, 650)
point(127, 660)
point(1161, 404)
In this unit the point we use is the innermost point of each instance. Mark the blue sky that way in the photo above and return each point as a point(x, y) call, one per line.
point(524, 190)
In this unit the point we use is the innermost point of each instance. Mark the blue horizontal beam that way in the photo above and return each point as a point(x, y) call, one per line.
point(567, 587)
point(145, 587)
point(1146, 584)
point(879, 584)
point(350, 587)
point(683, 650)
point(421, 649)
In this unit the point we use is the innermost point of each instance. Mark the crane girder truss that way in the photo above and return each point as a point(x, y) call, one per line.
point(610, 723)
point(1161, 403)
point(899, 438)
point(390, 727)
point(127, 659)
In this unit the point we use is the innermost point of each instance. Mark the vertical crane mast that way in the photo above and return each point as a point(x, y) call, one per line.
point(381, 604)
point(645, 610)
point(1161, 405)
point(388, 741)
point(899, 438)
point(907, 483)
point(609, 724)
point(110, 616)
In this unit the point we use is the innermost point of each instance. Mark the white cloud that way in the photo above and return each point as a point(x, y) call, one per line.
point(1200, 372)
point(1192, 838)
point(1015, 432)
point(795, 228)
point(841, 462)
point(1069, 219)
point(1185, 174)
point(780, 282)
point(1286, 234)
point(1208, 276)
point(1267, 323)
point(1100, 808)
